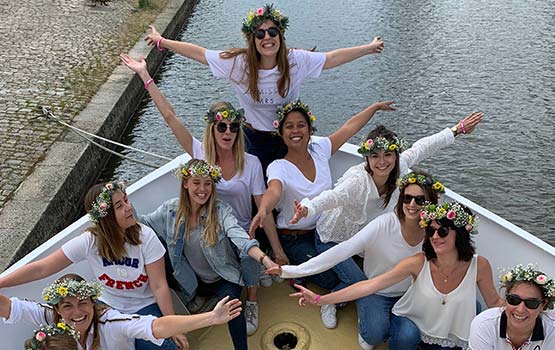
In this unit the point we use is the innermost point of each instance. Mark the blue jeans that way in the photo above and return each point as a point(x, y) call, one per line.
point(267, 147)
point(237, 327)
point(300, 248)
point(250, 270)
point(141, 344)
point(348, 271)
point(376, 323)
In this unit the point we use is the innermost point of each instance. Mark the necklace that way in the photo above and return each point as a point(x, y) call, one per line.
point(443, 299)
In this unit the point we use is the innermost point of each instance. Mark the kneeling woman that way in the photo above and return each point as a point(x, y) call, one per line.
point(522, 322)
point(441, 301)
point(73, 300)
point(200, 231)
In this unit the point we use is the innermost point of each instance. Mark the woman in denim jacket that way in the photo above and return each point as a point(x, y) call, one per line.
point(199, 231)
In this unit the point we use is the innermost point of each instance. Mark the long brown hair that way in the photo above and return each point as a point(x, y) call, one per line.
point(185, 212)
point(110, 238)
point(430, 194)
point(252, 65)
point(209, 142)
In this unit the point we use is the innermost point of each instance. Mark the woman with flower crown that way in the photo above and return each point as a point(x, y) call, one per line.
point(125, 256)
point(200, 232)
point(52, 337)
point(242, 178)
point(441, 301)
point(265, 74)
point(522, 323)
point(305, 172)
point(73, 310)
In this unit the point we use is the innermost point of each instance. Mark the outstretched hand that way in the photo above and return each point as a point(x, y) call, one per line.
point(470, 122)
point(226, 310)
point(153, 37)
point(377, 45)
point(300, 212)
point(276, 271)
point(305, 295)
point(136, 66)
point(385, 106)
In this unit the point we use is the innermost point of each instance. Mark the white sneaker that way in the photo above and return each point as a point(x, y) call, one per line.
point(328, 316)
point(277, 279)
point(251, 315)
point(363, 344)
point(265, 280)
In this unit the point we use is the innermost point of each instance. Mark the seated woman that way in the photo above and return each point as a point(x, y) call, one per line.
point(441, 301)
point(521, 323)
point(385, 241)
point(200, 231)
point(305, 172)
point(125, 256)
point(73, 300)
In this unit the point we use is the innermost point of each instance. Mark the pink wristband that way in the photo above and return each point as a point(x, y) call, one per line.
point(158, 44)
point(148, 82)
point(316, 299)
point(463, 130)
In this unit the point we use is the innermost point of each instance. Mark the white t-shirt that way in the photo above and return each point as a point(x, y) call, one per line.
point(295, 186)
point(125, 282)
point(383, 245)
point(302, 64)
point(237, 191)
point(488, 331)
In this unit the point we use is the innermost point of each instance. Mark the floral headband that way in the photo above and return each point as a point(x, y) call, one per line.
point(231, 114)
point(60, 289)
point(199, 168)
point(288, 107)
point(530, 273)
point(261, 15)
point(40, 335)
point(370, 146)
point(451, 211)
point(413, 178)
point(104, 200)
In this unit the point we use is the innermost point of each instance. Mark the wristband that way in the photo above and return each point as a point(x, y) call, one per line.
point(158, 44)
point(463, 130)
point(148, 82)
point(316, 299)
point(261, 259)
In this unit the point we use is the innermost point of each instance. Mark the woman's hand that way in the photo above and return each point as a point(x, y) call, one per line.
point(257, 221)
point(377, 45)
point(269, 263)
point(385, 106)
point(136, 66)
point(276, 271)
point(300, 212)
point(181, 341)
point(226, 310)
point(305, 295)
point(468, 124)
point(281, 259)
point(153, 37)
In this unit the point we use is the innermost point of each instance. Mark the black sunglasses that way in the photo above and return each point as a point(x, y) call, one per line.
point(261, 33)
point(515, 300)
point(442, 231)
point(419, 200)
point(222, 127)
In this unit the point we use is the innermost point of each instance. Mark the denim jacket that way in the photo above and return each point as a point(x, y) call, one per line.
point(221, 257)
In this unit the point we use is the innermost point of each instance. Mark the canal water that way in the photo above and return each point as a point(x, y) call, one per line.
point(442, 60)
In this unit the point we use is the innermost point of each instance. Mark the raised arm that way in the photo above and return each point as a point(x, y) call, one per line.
point(486, 285)
point(188, 50)
point(36, 270)
point(353, 125)
point(179, 130)
point(341, 56)
point(269, 200)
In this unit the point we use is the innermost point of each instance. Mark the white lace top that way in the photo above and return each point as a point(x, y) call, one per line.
point(355, 200)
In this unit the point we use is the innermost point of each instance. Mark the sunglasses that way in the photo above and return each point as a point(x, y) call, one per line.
point(515, 300)
point(233, 127)
point(442, 231)
point(261, 33)
point(419, 200)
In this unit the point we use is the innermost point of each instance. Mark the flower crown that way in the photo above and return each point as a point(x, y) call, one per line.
point(60, 289)
point(288, 107)
point(231, 114)
point(261, 15)
point(199, 168)
point(452, 211)
point(530, 273)
point(370, 146)
point(40, 334)
point(104, 200)
point(413, 178)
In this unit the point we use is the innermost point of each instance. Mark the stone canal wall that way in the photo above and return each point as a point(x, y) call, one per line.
point(51, 47)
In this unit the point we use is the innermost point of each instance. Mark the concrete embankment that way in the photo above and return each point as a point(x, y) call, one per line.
point(51, 195)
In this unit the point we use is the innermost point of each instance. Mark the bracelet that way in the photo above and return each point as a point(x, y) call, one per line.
point(158, 44)
point(463, 130)
point(148, 82)
point(316, 299)
point(261, 259)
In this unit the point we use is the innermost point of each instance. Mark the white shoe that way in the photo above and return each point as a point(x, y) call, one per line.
point(265, 280)
point(251, 315)
point(328, 316)
point(363, 344)
point(277, 279)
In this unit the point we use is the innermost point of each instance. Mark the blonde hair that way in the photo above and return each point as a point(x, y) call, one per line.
point(110, 238)
point(209, 142)
point(185, 212)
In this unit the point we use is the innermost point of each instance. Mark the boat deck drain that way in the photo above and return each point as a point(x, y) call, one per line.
point(286, 336)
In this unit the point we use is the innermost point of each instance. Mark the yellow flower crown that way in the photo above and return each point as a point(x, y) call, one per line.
point(198, 167)
point(412, 178)
point(40, 334)
point(288, 107)
point(60, 289)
